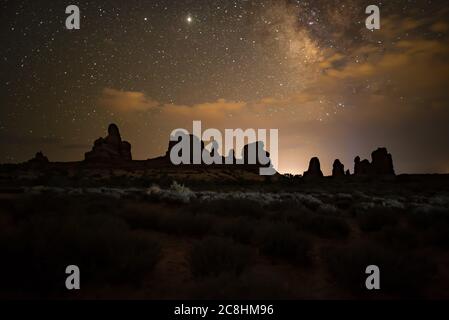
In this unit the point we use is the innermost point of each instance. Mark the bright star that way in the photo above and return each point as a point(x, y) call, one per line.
point(189, 19)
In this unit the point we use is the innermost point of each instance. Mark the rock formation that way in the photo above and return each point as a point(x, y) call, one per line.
point(110, 149)
point(357, 169)
point(381, 164)
point(39, 158)
point(338, 169)
point(230, 158)
point(260, 158)
point(314, 170)
point(362, 167)
point(192, 140)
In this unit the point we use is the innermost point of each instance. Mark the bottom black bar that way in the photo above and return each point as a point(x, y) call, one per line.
point(225, 309)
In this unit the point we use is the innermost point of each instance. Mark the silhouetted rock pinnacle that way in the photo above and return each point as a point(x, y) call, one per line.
point(338, 169)
point(111, 148)
point(314, 170)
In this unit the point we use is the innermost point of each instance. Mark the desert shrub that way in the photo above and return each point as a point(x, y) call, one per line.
point(240, 229)
point(438, 236)
point(285, 211)
point(9, 207)
point(281, 240)
point(177, 193)
point(182, 223)
point(433, 223)
point(140, 219)
point(344, 201)
point(249, 285)
point(234, 208)
point(101, 205)
point(310, 201)
point(328, 210)
point(285, 205)
point(375, 219)
point(35, 205)
point(60, 205)
point(179, 222)
point(35, 255)
point(401, 272)
point(58, 180)
point(398, 237)
point(214, 255)
point(120, 181)
point(325, 226)
point(6, 221)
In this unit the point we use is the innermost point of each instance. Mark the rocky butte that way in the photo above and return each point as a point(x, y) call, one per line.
point(110, 149)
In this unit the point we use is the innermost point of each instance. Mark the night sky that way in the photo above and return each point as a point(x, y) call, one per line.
point(308, 68)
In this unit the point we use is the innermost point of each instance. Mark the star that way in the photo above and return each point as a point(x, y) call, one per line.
point(189, 19)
